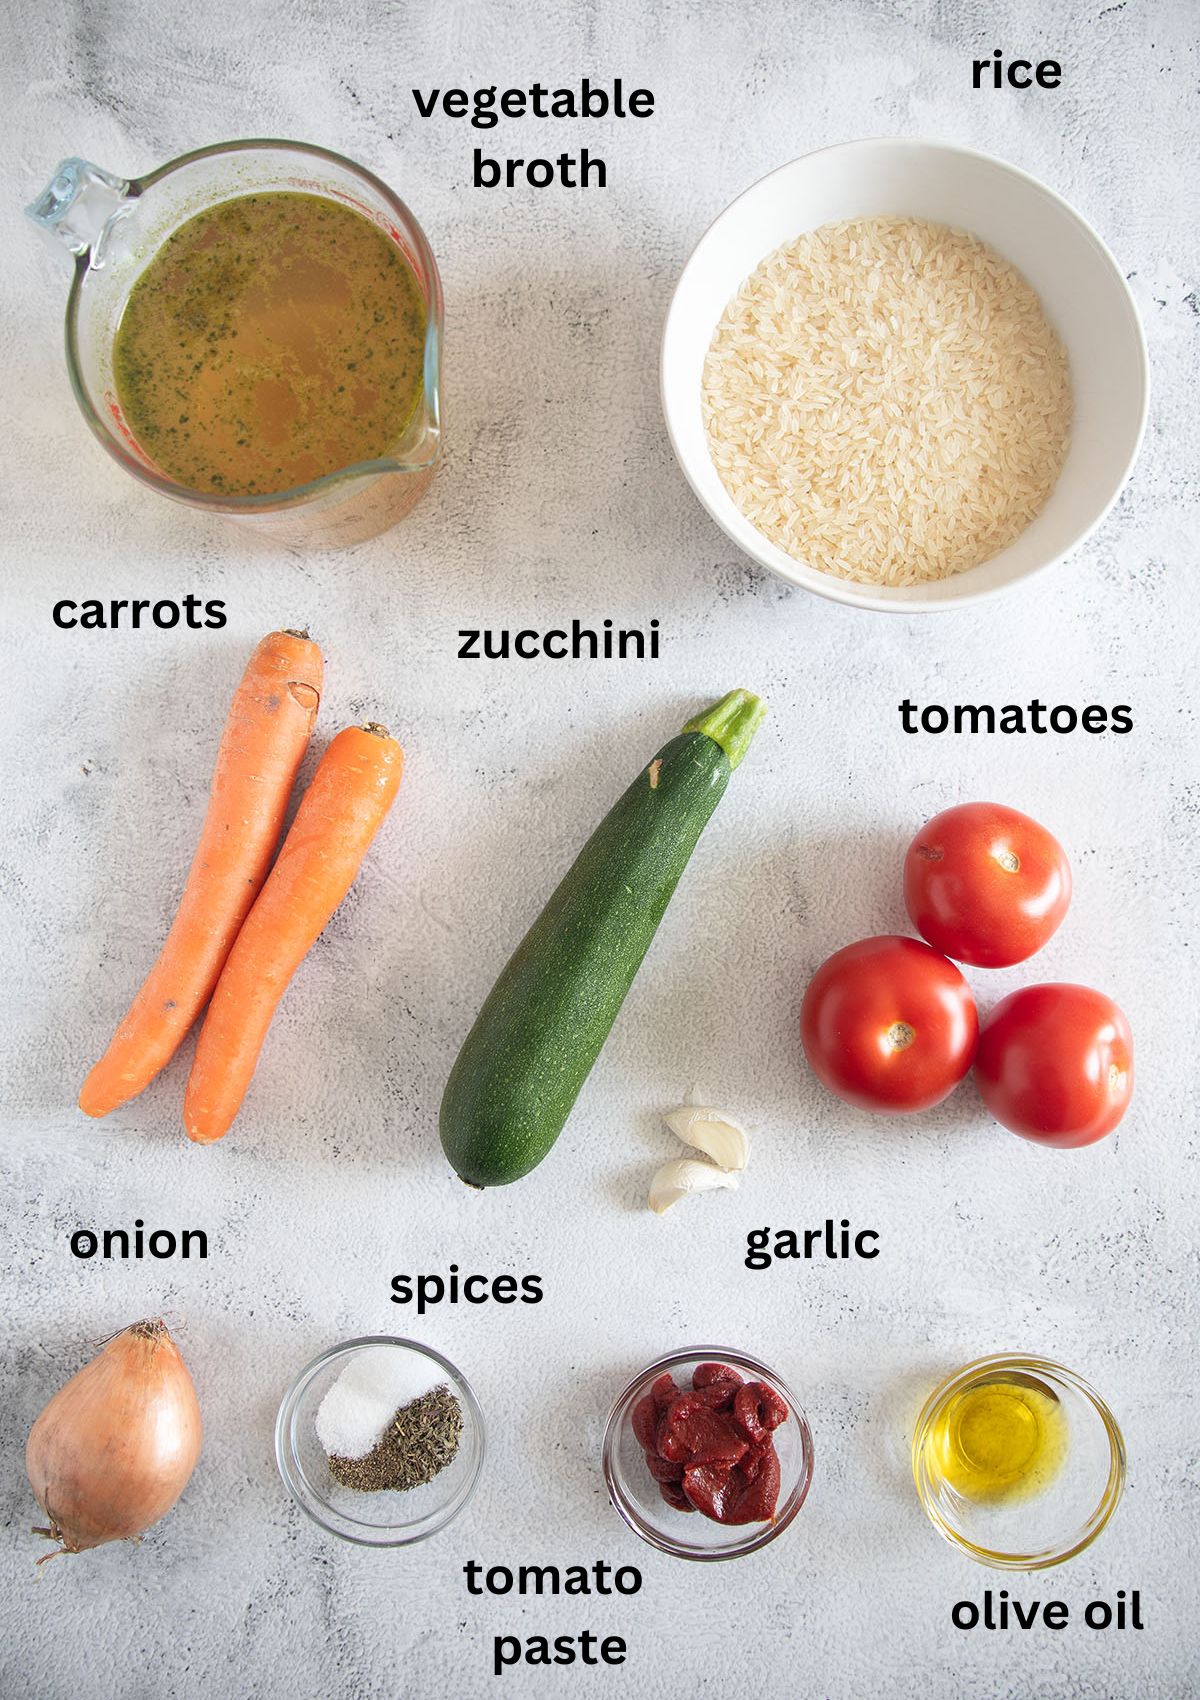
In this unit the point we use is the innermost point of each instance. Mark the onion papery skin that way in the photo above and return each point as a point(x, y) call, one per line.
point(116, 1446)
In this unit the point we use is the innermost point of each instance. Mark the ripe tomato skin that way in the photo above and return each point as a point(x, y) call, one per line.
point(888, 1024)
point(1055, 1064)
point(985, 884)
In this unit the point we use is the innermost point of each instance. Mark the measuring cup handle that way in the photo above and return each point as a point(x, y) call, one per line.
point(78, 204)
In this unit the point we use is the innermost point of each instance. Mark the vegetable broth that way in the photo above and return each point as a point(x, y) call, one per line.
point(274, 338)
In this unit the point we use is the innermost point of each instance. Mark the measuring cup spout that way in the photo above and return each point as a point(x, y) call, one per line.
point(79, 206)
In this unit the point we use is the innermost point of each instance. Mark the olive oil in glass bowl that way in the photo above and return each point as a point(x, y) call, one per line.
point(1018, 1462)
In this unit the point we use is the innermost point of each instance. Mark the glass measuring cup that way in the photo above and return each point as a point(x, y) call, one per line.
point(113, 227)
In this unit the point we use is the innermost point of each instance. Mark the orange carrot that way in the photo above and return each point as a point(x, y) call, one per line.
point(351, 792)
point(263, 743)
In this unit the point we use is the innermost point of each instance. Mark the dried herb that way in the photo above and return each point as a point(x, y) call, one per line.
point(418, 1443)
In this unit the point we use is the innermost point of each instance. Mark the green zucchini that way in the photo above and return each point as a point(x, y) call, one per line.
point(545, 1021)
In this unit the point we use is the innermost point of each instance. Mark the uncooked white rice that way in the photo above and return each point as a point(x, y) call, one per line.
point(886, 400)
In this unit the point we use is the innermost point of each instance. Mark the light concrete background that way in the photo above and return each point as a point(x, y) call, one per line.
point(559, 497)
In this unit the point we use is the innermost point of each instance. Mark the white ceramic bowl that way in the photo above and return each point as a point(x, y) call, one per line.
point(1080, 284)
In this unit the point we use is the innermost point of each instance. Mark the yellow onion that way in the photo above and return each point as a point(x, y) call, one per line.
point(114, 1448)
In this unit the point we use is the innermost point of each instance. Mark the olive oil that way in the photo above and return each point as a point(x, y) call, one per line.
point(273, 339)
point(999, 1441)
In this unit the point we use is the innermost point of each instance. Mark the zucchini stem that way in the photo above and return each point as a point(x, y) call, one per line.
point(732, 722)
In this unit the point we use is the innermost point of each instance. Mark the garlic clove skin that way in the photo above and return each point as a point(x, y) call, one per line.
point(713, 1132)
point(683, 1177)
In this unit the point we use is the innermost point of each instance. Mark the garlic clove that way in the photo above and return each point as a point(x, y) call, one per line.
point(684, 1176)
point(713, 1132)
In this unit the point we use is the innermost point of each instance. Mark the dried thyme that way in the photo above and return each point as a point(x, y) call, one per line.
point(418, 1443)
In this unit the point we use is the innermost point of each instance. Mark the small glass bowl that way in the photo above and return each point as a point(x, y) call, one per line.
point(1050, 1524)
point(384, 1519)
point(683, 1534)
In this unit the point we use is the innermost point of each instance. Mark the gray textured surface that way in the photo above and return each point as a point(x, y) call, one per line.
point(559, 498)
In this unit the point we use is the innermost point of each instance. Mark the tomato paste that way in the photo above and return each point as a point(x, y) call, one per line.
point(711, 1447)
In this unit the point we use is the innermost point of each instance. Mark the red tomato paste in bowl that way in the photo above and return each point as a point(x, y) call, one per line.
point(710, 1447)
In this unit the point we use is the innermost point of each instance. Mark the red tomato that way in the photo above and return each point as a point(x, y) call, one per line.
point(986, 884)
point(1055, 1064)
point(888, 1024)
